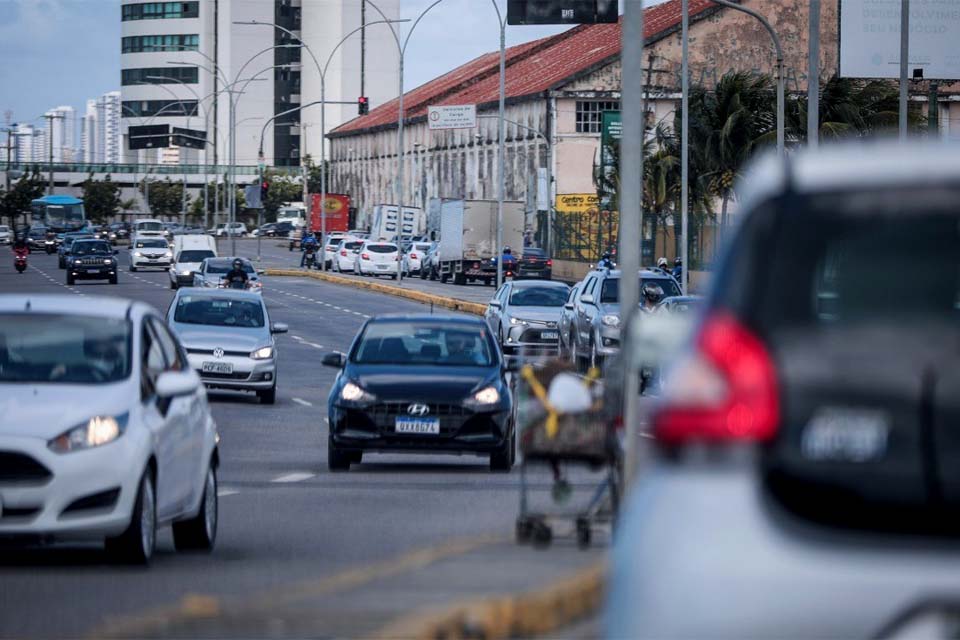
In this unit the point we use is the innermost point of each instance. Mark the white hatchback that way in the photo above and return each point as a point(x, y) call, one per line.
point(105, 432)
point(377, 258)
point(346, 256)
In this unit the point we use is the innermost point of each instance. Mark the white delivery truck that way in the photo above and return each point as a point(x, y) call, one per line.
point(388, 220)
point(468, 238)
point(188, 252)
point(294, 213)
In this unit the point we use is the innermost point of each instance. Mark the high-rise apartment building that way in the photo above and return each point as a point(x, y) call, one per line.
point(61, 126)
point(184, 63)
point(100, 130)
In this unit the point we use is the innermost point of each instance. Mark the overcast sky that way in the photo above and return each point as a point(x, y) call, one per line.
point(55, 52)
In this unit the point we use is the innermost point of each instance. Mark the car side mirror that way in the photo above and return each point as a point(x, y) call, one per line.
point(336, 360)
point(177, 383)
point(587, 299)
point(568, 306)
point(279, 327)
point(496, 304)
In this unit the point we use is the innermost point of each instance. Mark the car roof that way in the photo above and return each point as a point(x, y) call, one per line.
point(644, 273)
point(426, 317)
point(526, 284)
point(232, 294)
point(69, 304)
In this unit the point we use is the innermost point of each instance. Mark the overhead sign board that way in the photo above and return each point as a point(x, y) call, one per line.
point(520, 12)
point(870, 39)
point(191, 138)
point(152, 136)
point(452, 116)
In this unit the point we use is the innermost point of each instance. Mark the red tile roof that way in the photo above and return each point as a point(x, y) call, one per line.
point(532, 67)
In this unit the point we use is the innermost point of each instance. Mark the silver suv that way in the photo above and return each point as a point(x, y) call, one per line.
point(594, 329)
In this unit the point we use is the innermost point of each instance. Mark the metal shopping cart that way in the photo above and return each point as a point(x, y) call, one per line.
point(560, 441)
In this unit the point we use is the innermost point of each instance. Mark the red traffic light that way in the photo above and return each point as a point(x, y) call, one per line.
point(363, 105)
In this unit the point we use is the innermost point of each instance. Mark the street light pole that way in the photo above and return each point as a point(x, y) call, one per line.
point(813, 77)
point(501, 141)
point(904, 63)
point(685, 150)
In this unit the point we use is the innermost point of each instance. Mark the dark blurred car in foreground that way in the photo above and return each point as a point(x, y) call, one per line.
point(421, 384)
point(534, 263)
point(803, 476)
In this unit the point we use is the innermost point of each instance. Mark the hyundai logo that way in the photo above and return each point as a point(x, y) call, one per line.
point(218, 353)
point(418, 409)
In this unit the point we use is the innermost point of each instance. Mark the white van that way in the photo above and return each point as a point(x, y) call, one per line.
point(188, 252)
point(148, 229)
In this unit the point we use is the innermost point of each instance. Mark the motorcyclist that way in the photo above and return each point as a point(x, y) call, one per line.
point(20, 246)
point(663, 265)
point(652, 295)
point(308, 245)
point(236, 278)
point(677, 268)
point(606, 262)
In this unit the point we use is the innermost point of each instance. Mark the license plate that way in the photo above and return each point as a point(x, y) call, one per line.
point(217, 367)
point(383, 266)
point(848, 435)
point(418, 425)
point(93, 270)
point(550, 335)
point(154, 260)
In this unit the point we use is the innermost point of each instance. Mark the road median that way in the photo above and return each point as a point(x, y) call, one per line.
point(455, 304)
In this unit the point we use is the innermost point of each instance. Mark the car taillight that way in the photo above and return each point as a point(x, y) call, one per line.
point(364, 256)
point(344, 253)
point(725, 390)
point(413, 256)
point(549, 263)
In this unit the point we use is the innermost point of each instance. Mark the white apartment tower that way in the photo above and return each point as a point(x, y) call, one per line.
point(61, 125)
point(100, 131)
point(183, 62)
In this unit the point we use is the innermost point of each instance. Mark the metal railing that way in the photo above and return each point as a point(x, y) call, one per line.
point(151, 169)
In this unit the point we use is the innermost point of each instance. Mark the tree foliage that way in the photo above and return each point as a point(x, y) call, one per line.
point(16, 202)
point(164, 197)
point(101, 198)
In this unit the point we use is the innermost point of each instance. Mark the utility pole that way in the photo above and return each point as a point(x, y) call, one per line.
point(685, 148)
point(904, 63)
point(813, 77)
point(50, 117)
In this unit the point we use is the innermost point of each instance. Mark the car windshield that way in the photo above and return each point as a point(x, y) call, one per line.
point(224, 266)
point(424, 343)
point(382, 248)
point(538, 297)
point(149, 226)
point(610, 294)
point(219, 312)
point(86, 248)
point(150, 244)
point(352, 245)
point(195, 255)
point(63, 349)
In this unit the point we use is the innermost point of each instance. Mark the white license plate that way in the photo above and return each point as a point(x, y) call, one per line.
point(848, 435)
point(93, 270)
point(418, 425)
point(217, 367)
point(383, 266)
point(550, 335)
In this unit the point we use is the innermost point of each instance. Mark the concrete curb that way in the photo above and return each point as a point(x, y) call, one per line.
point(418, 296)
point(515, 616)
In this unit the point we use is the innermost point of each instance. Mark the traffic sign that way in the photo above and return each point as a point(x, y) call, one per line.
point(520, 12)
point(452, 116)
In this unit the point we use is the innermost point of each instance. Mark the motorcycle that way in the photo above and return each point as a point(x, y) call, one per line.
point(310, 258)
point(20, 261)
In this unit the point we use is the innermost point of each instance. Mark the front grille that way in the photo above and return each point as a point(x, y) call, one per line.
point(209, 352)
point(452, 417)
point(19, 513)
point(237, 375)
point(536, 335)
point(93, 262)
point(154, 256)
point(18, 467)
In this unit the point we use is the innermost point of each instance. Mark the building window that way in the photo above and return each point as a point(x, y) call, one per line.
point(590, 114)
point(160, 10)
point(159, 75)
point(163, 108)
point(173, 42)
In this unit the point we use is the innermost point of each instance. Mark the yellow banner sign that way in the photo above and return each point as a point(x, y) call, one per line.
point(577, 202)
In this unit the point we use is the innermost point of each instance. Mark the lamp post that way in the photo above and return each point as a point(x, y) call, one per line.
point(50, 117)
point(685, 148)
point(904, 63)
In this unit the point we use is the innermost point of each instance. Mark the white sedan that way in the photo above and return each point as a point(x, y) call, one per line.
point(150, 252)
point(106, 433)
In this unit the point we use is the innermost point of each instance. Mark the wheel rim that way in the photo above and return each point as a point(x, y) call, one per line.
point(148, 529)
point(210, 505)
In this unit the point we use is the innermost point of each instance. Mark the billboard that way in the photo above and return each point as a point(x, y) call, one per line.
point(870, 39)
point(577, 202)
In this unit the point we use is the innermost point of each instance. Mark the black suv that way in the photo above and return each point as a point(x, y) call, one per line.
point(91, 260)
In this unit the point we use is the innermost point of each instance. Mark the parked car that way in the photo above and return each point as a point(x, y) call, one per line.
point(802, 476)
point(228, 337)
point(346, 255)
point(595, 327)
point(430, 265)
point(525, 317)
point(534, 263)
point(111, 436)
point(274, 230)
point(149, 252)
point(211, 271)
point(230, 229)
point(421, 383)
point(377, 258)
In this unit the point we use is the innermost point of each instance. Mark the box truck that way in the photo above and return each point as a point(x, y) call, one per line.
point(338, 213)
point(388, 220)
point(468, 238)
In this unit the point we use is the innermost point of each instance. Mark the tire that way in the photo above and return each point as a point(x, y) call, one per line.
point(133, 268)
point(199, 533)
point(113, 279)
point(423, 273)
point(269, 396)
point(502, 460)
point(337, 459)
point(174, 285)
point(136, 544)
point(460, 279)
point(70, 280)
point(61, 264)
point(394, 276)
point(443, 278)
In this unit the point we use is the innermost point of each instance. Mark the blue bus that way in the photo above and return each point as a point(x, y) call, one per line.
point(58, 213)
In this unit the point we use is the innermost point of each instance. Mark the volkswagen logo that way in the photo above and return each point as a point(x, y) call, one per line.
point(218, 353)
point(418, 409)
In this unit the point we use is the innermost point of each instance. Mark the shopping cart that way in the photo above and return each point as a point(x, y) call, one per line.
point(561, 441)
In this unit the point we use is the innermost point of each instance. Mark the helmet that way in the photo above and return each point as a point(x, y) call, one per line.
point(507, 249)
point(662, 262)
point(606, 255)
point(678, 261)
point(652, 292)
point(237, 263)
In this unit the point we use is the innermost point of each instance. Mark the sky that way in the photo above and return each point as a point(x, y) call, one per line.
point(63, 52)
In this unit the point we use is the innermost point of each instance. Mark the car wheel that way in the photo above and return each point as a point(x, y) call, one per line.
point(459, 279)
point(502, 460)
point(113, 279)
point(423, 273)
point(394, 276)
point(136, 544)
point(132, 268)
point(443, 278)
point(174, 285)
point(70, 280)
point(200, 532)
point(61, 264)
point(337, 459)
point(269, 396)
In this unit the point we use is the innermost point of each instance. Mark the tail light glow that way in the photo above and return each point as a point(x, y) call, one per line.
point(549, 263)
point(343, 252)
point(364, 256)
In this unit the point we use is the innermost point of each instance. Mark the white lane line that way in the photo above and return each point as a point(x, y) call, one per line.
point(303, 402)
point(297, 338)
point(298, 476)
point(315, 345)
point(226, 492)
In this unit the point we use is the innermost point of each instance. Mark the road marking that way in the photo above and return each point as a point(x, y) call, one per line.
point(226, 492)
point(297, 476)
point(314, 345)
point(303, 402)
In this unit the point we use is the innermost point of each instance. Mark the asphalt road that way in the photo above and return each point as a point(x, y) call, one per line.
point(288, 528)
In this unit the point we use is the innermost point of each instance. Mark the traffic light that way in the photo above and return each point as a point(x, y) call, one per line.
point(363, 105)
point(264, 187)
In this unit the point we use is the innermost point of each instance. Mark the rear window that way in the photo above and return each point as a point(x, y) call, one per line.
point(382, 248)
point(352, 245)
point(530, 252)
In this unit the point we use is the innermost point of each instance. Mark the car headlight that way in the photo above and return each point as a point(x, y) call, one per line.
point(169, 254)
point(353, 393)
point(611, 320)
point(185, 272)
point(108, 260)
point(138, 254)
point(262, 353)
point(95, 432)
point(486, 396)
point(516, 321)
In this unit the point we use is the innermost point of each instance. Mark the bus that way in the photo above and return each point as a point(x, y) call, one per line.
point(58, 213)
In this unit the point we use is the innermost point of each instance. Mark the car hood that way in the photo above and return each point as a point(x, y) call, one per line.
point(228, 338)
point(47, 410)
point(543, 314)
point(420, 383)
